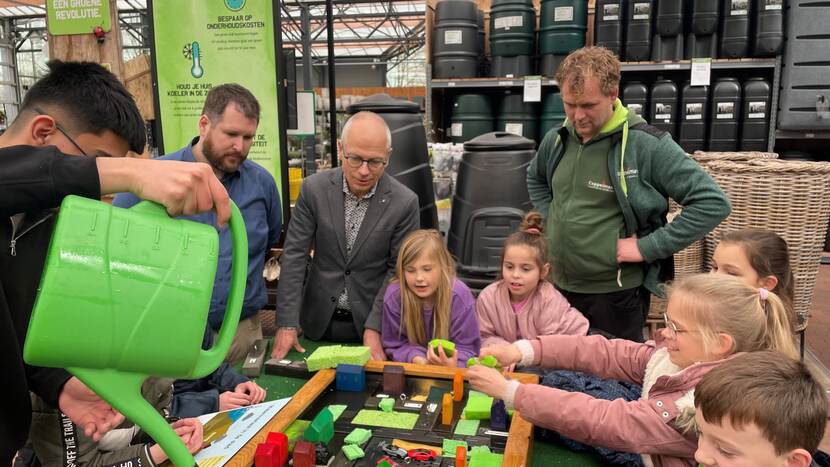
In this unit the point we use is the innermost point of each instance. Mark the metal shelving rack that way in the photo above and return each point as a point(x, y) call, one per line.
point(439, 86)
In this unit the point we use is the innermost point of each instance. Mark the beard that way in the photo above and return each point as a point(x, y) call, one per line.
point(224, 162)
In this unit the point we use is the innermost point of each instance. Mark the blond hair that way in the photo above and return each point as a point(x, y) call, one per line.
point(416, 244)
point(718, 303)
point(597, 62)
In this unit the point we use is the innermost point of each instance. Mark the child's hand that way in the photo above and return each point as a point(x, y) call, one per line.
point(441, 358)
point(190, 432)
point(254, 392)
point(488, 381)
point(506, 354)
point(230, 400)
point(420, 360)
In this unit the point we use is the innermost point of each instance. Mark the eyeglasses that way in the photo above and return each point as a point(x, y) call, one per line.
point(356, 162)
point(672, 328)
point(60, 128)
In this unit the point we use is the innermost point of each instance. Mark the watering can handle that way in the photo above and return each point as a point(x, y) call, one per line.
point(210, 359)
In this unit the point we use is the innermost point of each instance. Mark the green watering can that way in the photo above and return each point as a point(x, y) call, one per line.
point(124, 295)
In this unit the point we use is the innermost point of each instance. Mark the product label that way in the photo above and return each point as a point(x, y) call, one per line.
point(457, 130)
point(636, 108)
point(739, 8)
point(725, 110)
point(757, 109)
point(694, 111)
point(773, 4)
point(642, 10)
point(507, 22)
point(515, 128)
point(610, 12)
point(453, 36)
point(563, 13)
point(663, 112)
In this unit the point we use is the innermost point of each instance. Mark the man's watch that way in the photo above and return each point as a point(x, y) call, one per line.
point(288, 328)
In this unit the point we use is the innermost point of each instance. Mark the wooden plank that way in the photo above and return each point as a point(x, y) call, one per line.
point(299, 402)
point(139, 82)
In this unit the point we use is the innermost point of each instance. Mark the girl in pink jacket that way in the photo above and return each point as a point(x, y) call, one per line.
point(710, 317)
point(523, 304)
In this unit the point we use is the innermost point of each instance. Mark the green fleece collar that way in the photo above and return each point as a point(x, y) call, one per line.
point(619, 117)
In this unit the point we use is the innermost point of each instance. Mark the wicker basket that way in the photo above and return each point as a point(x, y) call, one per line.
point(705, 157)
point(790, 198)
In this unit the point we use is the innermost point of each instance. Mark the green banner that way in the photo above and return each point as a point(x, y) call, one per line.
point(65, 17)
point(201, 44)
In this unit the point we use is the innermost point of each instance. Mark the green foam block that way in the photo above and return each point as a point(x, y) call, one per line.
point(449, 446)
point(332, 355)
point(486, 459)
point(353, 452)
point(466, 427)
point(387, 404)
point(336, 410)
point(402, 420)
point(478, 408)
point(358, 436)
point(479, 449)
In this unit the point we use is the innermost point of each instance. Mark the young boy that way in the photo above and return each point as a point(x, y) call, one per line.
point(760, 409)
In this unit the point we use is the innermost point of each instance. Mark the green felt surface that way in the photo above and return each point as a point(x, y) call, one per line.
point(401, 420)
point(486, 459)
point(448, 448)
point(544, 454)
point(467, 427)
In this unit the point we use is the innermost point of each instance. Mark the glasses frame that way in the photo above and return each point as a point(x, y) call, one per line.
point(62, 130)
point(672, 328)
point(378, 162)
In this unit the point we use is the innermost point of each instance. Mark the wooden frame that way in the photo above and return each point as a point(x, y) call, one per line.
point(517, 453)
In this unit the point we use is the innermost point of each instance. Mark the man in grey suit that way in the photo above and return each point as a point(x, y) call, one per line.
point(354, 218)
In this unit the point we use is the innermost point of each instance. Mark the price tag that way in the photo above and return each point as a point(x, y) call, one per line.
point(533, 89)
point(701, 71)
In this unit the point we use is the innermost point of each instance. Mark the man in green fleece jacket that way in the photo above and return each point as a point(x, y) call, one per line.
point(602, 181)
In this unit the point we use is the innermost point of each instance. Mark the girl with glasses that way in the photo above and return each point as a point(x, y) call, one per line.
point(710, 319)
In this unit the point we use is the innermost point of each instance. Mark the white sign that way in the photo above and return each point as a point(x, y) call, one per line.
point(563, 13)
point(507, 22)
point(453, 36)
point(533, 89)
point(701, 71)
point(642, 10)
point(457, 129)
point(305, 115)
point(757, 109)
point(515, 128)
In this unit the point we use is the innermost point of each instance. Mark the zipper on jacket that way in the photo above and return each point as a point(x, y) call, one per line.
point(13, 242)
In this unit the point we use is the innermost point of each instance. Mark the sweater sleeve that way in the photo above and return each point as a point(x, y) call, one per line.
point(47, 383)
point(486, 310)
point(538, 186)
point(393, 335)
point(463, 324)
point(704, 203)
point(39, 178)
point(188, 404)
point(616, 358)
point(559, 317)
point(619, 425)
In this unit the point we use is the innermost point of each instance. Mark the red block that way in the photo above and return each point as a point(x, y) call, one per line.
point(305, 454)
point(266, 455)
point(280, 440)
